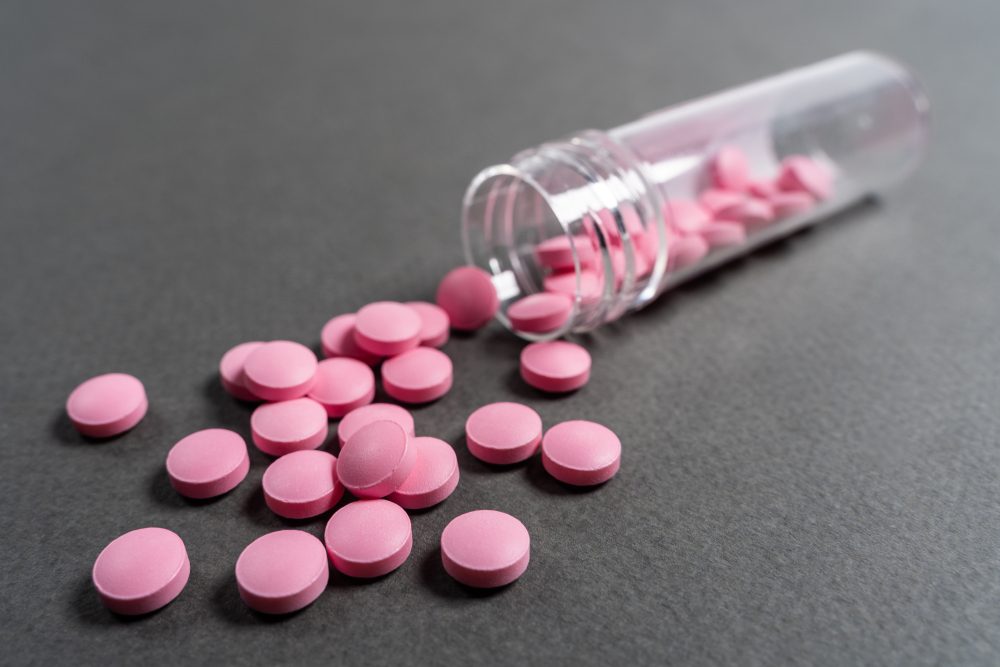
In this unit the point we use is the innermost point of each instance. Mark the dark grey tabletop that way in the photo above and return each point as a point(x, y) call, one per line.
point(811, 437)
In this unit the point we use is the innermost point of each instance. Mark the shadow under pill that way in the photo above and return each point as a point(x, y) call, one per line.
point(229, 606)
point(62, 430)
point(542, 480)
point(87, 606)
point(164, 493)
point(517, 386)
point(434, 577)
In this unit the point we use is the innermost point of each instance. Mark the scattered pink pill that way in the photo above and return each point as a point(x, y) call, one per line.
point(337, 339)
point(376, 460)
point(368, 538)
point(280, 370)
point(282, 572)
point(503, 433)
point(231, 371)
point(434, 476)
point(787, 204)
point(302, 484)
point(730, 169)
point(555, 366)
point(723, 233)
point(800, 173)
point(141, 571)
point(356, 419)
point(434, 323)
point(763, 189)
point(485, 548)
point(581, 453)
point(715, 200)
point(540, 313)
point(686, 216)
point(208, 463)
point(418, 376)
point(683, 251)
point(590, 284)
point(387, 328)
point(107, 405)
point(750, 211)
point(556, 253)
point(468, 296)
point(288, 426)
point(343, 384)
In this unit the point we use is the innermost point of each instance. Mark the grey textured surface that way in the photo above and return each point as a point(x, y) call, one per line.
point(812, 436)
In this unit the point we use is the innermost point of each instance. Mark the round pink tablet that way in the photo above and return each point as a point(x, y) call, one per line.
point(590, 285)
point(684, 251)
point(581, 453)
point(418, 376)
point(468, 296)
point(555, 366)
point(141, 571)
point(434, 323)
point(302, 484)
point(343, 384)
point(801, 173)
point(208, 463)
point(485, 548)
point(107, 405)
point(280, 370)
point(787, 204)
point(751, 211)
point(231, 371)
point(387, 328)
point(556, 253)
point(288, 426)
point(434, 476)
point(368, 538)
point(337, 339)
point(714, 199)
point(539, 313)
point(686, 216)
point(723, 233)
point(503, 433)
point(282, 572)
point(376, 460)
point(730, 170)
point(363, 416)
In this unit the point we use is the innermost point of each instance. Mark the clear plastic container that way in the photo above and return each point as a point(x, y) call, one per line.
point(612, 200)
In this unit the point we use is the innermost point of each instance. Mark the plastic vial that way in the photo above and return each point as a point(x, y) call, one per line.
point(611, 198)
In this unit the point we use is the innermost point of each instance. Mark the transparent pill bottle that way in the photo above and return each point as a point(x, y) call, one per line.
point(608, 195)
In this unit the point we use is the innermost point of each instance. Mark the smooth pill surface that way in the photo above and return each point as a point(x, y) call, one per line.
point(485, 548)
point(723, 233)
point(141, 571)
point(805, 174)
point(107, 405)
point(280, 370)
point(367, 414)
point(208, 463)
point(503, 433)
point(786, 204)
point(555, 366)
point(342, 384)
point(540, 313)
point(468, 296)
point(763, 189)
point(683, 251)
point(590, 284)
point(387, 328)
point(337, 340)
point(686, 216)
point(556, 253)
point(418, 376)
point(376, 460)
point(730, 169)
point(434, 476)
point(302, 484)
point(751, 211)
point(714, 199)
point(231, 371)
point(581, 453)
point(288, 426)
point(434, 323)
point(368, 538)
point(282, 572)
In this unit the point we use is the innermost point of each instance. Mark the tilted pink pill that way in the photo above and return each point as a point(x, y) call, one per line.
point(581, 453)
point(280, 370)
point(288, 426)
point(556, 253)
point(107, 405)
point(376, 460)
point(540, 313)
point(485, 548)
point(208, 463)
point(356, 419)
point(282, 572)
point(763, 189)
point(302, 484)
point(730, 169)
point(434, 323)
point(342, 384)
point(723, 233)
point(787, 204)
point(368, 538)
point(684, 251)
point(418, 376)
point(387, 328)
point(141, 571)
point(752, 212)
point(590, 284)
point(231, 371)
point(555, 366)
point(434, 476)
point(468, 296)
point(503, 433)
point(800, 173)
point(337, 339)
point(686, 216)
point(714, 200)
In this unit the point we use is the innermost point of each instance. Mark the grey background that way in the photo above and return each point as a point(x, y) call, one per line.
point(810, 436)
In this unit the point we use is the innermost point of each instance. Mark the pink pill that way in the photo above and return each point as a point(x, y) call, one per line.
point(581, 453)
point(686, 216)
point(434, 323)
point(590, 285)
point(282, 572)
point(343, 384)
point(376, 460)
point(556, 253)
point(752, 212)
point(555, 366)
point(141, 571)
point(418, 376)
point(231, 371)
point(280, 370)
point(337, 339)
point(485, 548)
point(468, 296)
point(503, 433)
point(787, 204)
point(539, 313)
point(763, 189)
point(684, 251)
point(713, 200)
point(730, 169)
point(434, 477)
point(356, 419)
point(288, 426)
point(208, 463)
point(368, 538)
point(302, 484)
point(800, 173)
point(107, 405)
point(387, 328)
point(723, 233)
